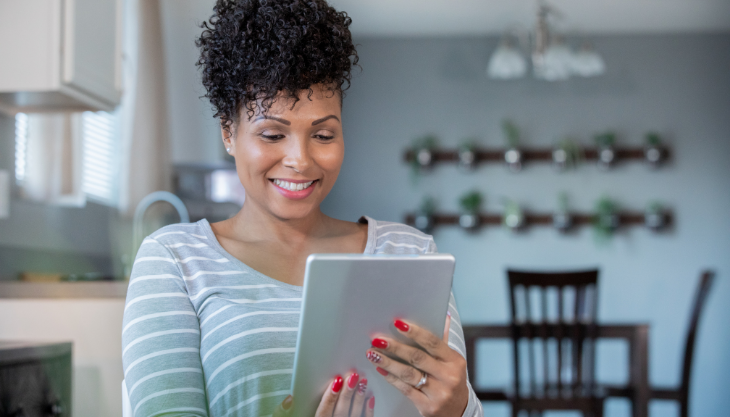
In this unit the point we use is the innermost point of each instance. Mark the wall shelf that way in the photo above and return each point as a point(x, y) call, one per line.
point(625, 218)
point(495, 155)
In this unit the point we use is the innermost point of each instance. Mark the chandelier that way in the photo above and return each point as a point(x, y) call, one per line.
point(552, 58)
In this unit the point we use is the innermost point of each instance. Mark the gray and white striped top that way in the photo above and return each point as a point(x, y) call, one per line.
point(206, 335)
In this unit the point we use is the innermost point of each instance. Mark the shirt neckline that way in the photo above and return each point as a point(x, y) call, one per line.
point(369, 245)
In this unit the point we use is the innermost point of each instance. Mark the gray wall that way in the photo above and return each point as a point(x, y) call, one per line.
point(677, 85)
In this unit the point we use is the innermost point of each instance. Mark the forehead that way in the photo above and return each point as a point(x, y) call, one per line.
point(312, 103)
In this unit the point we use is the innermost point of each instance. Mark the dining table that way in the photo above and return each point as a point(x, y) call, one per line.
point(637, 388)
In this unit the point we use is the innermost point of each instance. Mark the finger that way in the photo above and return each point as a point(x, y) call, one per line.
point(283, 409)
point(358, 400)
point(416, 396)
point(427, 340)
point(370, 408)
point(447, 327)
point(391, 368)
point(412, 355)
point(329, 399)
point(342, 409)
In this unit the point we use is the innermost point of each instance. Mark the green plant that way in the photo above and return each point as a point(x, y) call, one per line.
point(606, 139)
point(605, 220)
point(653, 139)
point(471, 202)
point(425, 143)
point(428, 206)
point(511, 133)
point(572, 153)
point(513, 216)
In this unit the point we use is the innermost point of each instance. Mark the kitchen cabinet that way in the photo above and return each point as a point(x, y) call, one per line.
point(60, 55)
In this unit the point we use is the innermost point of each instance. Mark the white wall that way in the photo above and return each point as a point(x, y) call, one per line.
point(94, 327)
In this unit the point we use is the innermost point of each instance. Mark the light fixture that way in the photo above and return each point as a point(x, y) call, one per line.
point(552, 58)
point(507, 62)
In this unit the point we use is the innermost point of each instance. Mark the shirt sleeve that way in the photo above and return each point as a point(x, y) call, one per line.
point(161, 339)
point(456, 342)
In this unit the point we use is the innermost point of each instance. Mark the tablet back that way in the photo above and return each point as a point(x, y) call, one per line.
point(347, 299)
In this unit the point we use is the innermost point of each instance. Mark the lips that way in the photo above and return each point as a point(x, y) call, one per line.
point(294, 189)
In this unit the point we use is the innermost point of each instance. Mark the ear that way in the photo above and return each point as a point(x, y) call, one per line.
point(227, 140)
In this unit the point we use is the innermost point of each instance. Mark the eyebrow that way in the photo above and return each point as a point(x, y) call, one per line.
point(278, 119)
point(318, 121)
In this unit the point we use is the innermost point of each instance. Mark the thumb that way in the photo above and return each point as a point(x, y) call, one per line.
point(447, 325)
point(284, 409)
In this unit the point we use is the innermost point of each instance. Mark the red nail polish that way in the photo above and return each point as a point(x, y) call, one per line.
point(373, 357)
point(401, 325)
point(337, 384)
point(287, 402)
point(371, 403)
point(352, 380)
point(362, 386)
point(379, 343)
point(381, 371)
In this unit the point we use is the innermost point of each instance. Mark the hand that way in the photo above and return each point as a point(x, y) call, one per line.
point(445, 392)
point(342, 398)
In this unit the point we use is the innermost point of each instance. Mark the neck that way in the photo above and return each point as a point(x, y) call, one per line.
point(254, 223)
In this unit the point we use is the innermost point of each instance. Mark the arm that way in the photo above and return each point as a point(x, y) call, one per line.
point(161, 339)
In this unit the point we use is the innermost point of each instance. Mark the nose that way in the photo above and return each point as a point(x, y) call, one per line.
point(298, 156)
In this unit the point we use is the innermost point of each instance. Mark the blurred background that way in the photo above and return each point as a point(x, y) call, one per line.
point(100, 106)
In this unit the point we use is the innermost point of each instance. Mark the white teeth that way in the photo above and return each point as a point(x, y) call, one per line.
point(292, 186)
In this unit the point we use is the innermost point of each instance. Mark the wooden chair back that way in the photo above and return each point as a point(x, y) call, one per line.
point(703, 290)
point(553, 333)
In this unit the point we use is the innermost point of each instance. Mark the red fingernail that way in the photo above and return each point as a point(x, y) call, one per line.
point(379, 343)
point(371, 403)
point(337, 384)
point(287, 402)
point(352, 380)
point(401, 325)
point(373, 357)
point(381, 371)
point(362, 386)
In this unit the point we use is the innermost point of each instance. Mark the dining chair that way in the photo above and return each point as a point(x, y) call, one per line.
point(553, 339)
point(681, 393)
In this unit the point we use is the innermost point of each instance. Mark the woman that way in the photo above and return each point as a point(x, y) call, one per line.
point(212, 311)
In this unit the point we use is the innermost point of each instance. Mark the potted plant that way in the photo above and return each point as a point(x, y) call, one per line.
point(653, 151)
point(562, 219)
point(470, 205)
point(655, 216)
point(606, 152)
point(424, 216)
point(514, 217)
point(467, 155)
point(606, 219)
point(566, 154)
point(513, 155)
point(423, 149)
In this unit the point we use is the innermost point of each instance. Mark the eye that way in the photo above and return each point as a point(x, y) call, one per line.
point(273, 137)
point(324, 135)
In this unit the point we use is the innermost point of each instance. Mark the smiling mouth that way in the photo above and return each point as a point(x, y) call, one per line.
point(293, 186)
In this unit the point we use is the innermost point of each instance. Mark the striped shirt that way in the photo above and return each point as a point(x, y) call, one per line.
point(206, 335)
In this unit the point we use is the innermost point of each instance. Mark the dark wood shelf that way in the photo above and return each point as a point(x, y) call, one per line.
point(483, 155)
point(626, 218)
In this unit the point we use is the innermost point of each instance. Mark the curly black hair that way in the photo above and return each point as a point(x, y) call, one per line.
point(252, 50)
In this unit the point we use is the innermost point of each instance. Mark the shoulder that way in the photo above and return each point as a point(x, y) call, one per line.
point(179, 233)
point(392, 237)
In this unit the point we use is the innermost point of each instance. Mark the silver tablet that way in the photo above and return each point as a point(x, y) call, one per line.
point(349, 298)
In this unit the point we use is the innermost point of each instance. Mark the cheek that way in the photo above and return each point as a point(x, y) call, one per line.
point(330, 158)
point(252, 160)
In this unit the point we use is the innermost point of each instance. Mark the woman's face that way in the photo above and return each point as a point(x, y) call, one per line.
point(288, 158)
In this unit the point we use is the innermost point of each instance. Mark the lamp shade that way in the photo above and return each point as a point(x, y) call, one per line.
point(588, 63)
point(507, 63)
point(555, 64)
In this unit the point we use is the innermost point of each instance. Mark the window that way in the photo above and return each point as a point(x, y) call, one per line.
point(99, 132)
point(21, 146)
point(100, 138)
